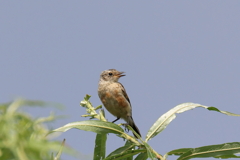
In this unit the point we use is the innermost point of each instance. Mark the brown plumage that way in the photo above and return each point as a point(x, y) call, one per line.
point(114, 97)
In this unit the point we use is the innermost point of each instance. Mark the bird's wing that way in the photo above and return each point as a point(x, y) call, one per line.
point(124, 93)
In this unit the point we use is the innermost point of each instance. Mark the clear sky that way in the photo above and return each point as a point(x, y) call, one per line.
point(172, 52)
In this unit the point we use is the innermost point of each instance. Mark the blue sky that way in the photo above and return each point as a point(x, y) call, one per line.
point(172, 52)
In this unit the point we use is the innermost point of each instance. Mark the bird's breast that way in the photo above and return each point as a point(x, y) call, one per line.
point(114, 101)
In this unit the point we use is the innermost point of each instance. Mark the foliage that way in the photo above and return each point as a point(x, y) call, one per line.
point(23, 137)
point(139, 147)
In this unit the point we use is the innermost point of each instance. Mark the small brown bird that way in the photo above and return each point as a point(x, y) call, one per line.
point(114, 97)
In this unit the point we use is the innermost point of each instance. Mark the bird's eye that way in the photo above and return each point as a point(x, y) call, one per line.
point(110, 74)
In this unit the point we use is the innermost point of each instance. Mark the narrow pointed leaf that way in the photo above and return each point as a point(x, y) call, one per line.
point(166, 118)
point(178, 152)
point(96, 126)
point(122, 153)
point(120, 150)
point(129, 143)
point(87, 97)
point(149, 152)
point(91, 110)
point(57, 157)
point(220, 150)
point(100, 146)
point(227, 156)
point(142, 156)
point(129, 157)
point(224, 112)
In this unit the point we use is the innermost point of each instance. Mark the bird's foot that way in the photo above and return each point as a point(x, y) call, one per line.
point(125, 127)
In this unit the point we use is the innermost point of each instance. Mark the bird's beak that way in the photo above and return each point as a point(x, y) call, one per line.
point(120, 74)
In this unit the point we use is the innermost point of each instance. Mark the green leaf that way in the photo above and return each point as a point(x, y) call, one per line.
point(129, 143)
point(96, 126)
point(177, 152)
point(100, 146)
point(227, 156)
point(149, 151)
point(217, 151)
point(22, 136)
point(166, 118)
point(102, 115)
point(91, 110)
point(120, 151)
point(123, 152)
point(224, 112)
point(87, 97)
point(142, 156)
point(57, 157)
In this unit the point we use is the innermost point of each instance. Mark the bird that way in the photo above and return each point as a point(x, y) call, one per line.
point(114, 97)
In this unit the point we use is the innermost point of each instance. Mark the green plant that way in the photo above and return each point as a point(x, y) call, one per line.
point(139, 147)
point(23, 137)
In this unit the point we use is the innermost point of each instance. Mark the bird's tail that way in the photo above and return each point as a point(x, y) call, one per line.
point(133, 125)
